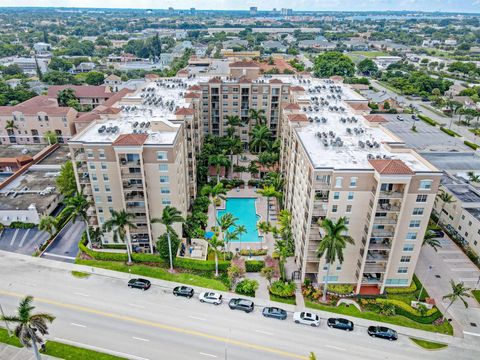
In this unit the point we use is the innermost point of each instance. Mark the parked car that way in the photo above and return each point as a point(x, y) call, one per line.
point(143, 284)
point(414, 117)
point(241, 304)
point(210, 297)
point(382, 332)
point(274, 312)
point(340, 323)
point(438, 233)
point(306, 318)
point(185, 291)
point(400, 118)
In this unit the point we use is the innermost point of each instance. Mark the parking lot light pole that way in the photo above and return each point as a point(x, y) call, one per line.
point(430, 267)
point(478, 282)
point(9, 332)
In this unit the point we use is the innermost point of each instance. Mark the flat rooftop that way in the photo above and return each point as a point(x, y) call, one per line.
point(13, 151)
point(454, 161)
point(475, 212)
point(58, 157)
point(461, 189)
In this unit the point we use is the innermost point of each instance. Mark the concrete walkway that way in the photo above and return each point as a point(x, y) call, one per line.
point(262, 291)
point(9, 352)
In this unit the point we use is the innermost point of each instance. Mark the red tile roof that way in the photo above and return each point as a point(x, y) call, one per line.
point(130, 140)
point(117, 96)
point(185, 111)
point(88, 117)
point(358, 105)
point(291, 106)
point(191, 96)
point(390, 167)
point(215, 80)
point(375, 118)
point(195, 88)
point(298, 117)
point(35, 105)
point(82, 91)
point(276, 81)
point(336, 78)
point(249, 64)
point(152, 76)
point(297, 88)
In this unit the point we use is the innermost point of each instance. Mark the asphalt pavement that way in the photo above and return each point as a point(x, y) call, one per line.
point(65, 245)
point(22, 241)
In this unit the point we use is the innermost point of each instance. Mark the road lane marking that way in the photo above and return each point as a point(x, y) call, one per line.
point(196, 318)
point(264, 332)
point(81, 294)
point(166, 327)
point(206, 354)
point(60, 256)
point(137, 306)
point(141, 339)
point(471, 333)
point(79, 325)
point(14, 237)
point(23, 238)
point(335, 347)
point(99, 349)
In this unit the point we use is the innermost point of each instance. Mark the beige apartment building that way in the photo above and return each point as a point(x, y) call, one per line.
point(339, 163)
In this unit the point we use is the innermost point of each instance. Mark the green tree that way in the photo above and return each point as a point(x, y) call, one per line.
point(29, 325)
point(257, 116)
point(56, 77)
point(10, 126)
point(459, 292)
point(269, 191)
point(50, 137)
point(60, 64)
point(430, 239)
point(65, 181)
point(472, 177)
point(48, 224)
point(216, 245)
point(225, 222)
point(77, 206)
point(65, 95)
point(218, 160)
point(445, 198)
point(281, 249)
point(332, 245)
point(285, 229)
point(170, 216)
point(367, 67)
point(333, 63)
point(268, 272)
point(312, 356)
point(94, 78)
point(260, 137)
point(216, 193)
point(118, 223)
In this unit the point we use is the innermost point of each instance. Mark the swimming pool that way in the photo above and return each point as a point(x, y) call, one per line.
point(244, 210)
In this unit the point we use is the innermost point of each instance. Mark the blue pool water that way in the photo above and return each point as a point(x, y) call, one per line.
point(244, 210)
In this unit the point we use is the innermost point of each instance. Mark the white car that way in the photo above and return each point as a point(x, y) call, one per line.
point(306, 318)
point(210, 297)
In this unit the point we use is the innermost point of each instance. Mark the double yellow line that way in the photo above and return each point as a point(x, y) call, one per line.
point(161, 326)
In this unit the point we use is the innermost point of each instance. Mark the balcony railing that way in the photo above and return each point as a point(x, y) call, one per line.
point(374, 268)
point(377, 258)
point(379, 246)
point(128, 175)
point(391, 194)
point(382, 233)
point(388, 207)
point(384, 221)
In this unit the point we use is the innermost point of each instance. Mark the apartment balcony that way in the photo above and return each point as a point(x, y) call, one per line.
point(391, 195)
point(368, 278)
point(134, 209)
point(374, 268)
point(127, 187)
point(319, 210)
point(84, 180)
point(384, 221)
point(313, 259)
point(311, 267)
point(322, 185)
point(128, 175)
point(139, 229)
point(380, 245)
point(382, 233)
point(388, 208)
point(81, 157)
point(377, 257)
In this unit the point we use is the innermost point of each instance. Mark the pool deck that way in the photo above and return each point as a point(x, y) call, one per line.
point(261, 205)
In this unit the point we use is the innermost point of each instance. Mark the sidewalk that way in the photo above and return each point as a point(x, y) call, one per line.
point(259, 302)
point(14, 353)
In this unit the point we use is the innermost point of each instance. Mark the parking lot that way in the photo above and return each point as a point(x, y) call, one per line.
point(22, 241)
point(65, 245)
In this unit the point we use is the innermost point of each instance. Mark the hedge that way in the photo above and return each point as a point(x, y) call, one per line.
point(402, 308)
point(471, 145)
point(21, 225)
point(402, 290)
point(254, 265)
point(428, 120)
point(449, 132)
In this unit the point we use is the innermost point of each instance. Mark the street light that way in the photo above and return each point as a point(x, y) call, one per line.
point(6, 323)
point(478, 282)
point(430, 267)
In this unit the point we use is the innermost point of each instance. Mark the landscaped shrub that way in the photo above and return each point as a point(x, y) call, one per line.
point(254, 265)
point(402, 308)
point(340, 289)
point(471, 145)
point(247, 287)
point(402, 290)
point(311, 292)
point(282, 289)
point(428, 120)
point(21, 225)
point(253, 252)
point(449, 132)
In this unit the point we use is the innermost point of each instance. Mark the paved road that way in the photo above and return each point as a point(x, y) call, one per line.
point(65, 245)
point(101, 312)
point(22, 241)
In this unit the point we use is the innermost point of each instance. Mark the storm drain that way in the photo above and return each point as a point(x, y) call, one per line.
point(473, 324)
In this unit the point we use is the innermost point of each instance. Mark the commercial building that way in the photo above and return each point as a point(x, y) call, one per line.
point(86, 94)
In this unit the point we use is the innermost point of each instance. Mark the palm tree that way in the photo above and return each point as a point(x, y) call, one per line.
point(260, 137)
point(332, 244)
point(472, 177)
point(96, 235)
point(235, 145)
point(218, 161)
point(233, 121)
point(258, 116)
point(170, 215)
point(66, 95)
point(275, 179)
point(430, 239)
point(282, 251)
point(240, 230)
point(226, 221)
point(77, 206)
point(253, 168)
point(216, 245)
point(312, 356)
point(459, 291)
point(446, 198)
point(118, 224)
point(265, 228)
point(51, 137)
point(28, 324)
point(10, 126)
point(269, 191)
point(217, 192)
point(48, 224)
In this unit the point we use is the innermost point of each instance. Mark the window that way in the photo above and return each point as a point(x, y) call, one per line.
point(347, 221)
point(94, 177)
point(90, 154)
point(417, 211)
point(101, 154)
point(100, 210)
point(166, 201)
point(402, 270)
point(396, 282)
point(96, 188)
point(161, 155)
point(414, 224)
point(331, 278)
point(425, 184)
point(105, 177)
point(91, 166)
point(405, 259)
point(353, 182)
point(336, 195)
point(107, 188)
point(338, 182)
point(338, 268)
point(349, 209)
point(421, 198)
point(109, 198)
point(164, 179)
point(163, 167)
point(412, 236)
point(165, 190)
point(334, 208)
point(350, 195)
point(408, 247)
point(104, 166)
point(98, 199)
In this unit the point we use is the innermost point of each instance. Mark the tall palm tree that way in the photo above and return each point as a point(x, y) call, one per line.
point(170, 215)
point(332, 245)
point(118, 224)
point(258, 116)
point(275, 179)
point(269, 191)
point(459, 292)
point(235, 145)
point(10, 126)
point(48, 224)
point(225, 222)
point(217, 192)
point(28, 324)
point(260, 137)
point(233, 121)
point(281, 249)
point(217, 245)
point(218, 161)
point(77, 206)
point(430, 239)
point(265, 228)
point(241, 230)
point(445, 198)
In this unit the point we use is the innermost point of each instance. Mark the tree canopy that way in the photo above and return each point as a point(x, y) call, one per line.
point(333, 63)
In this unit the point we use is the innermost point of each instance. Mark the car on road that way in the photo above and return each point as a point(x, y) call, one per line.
point(438, 233)
point(306, 318)
point(400, 118)
point(340, 323)
point(382, 332)
point(143, 284)
point(414, 117)
point(241, 304)
point(184, 291)
point(210, 297)
point(274, 312)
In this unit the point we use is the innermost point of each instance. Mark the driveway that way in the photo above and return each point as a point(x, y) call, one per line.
point(65, 246)
point(22, 241)
point(451, 263)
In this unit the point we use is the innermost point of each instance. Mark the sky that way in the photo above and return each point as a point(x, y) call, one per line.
point(333, 5)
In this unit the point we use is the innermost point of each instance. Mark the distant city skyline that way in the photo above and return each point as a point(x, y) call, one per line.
point(472, 6)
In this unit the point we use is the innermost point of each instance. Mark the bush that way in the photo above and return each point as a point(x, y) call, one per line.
point(428, 120)
point(21, 225)
point(403, 290)
point(449, 132)
point(282, 289)
point(247, 287)
point(162, 245)
point(406, 310)
point(254, 265)
point(340, 289)
point(471, 145)
point(253, 252)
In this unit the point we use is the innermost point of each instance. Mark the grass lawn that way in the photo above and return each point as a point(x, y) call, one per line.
point(10, 340)
point(80, 274)
point(290, 301)
point(445, 328)
point(390, 87)
point(69, 352)
point(476, 294)
point(429, 345)
point(369, 54)
point(158, 273)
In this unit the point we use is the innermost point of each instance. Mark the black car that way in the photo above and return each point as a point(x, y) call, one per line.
point(382, 332)
point(340, 323)
point(274, 312)
point(143, 284)
point(185, 291)
point(438, 233)
point(241, 304)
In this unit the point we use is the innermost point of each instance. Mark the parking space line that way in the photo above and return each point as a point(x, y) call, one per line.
point(23, 238)
point(60, 256)
point(206, 354)
point(14, 237)
point(335, 347)
point(140, 339)
point(78, 325)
